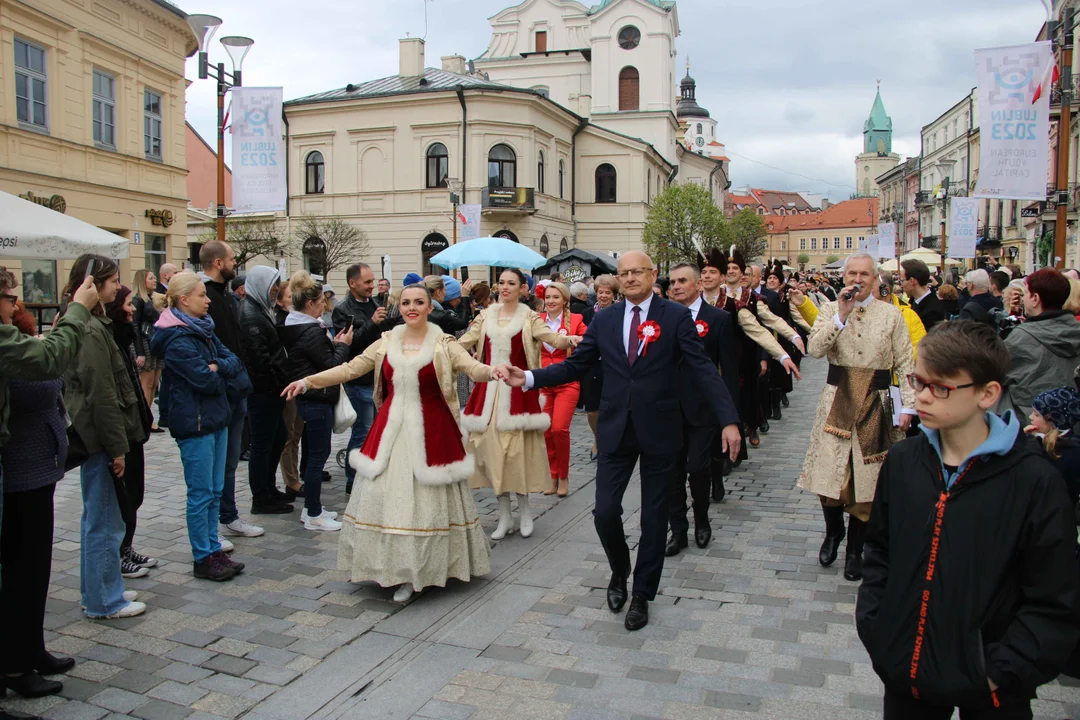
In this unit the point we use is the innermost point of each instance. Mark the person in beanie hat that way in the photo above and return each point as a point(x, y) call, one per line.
point(412, 279)
point(1053, 415)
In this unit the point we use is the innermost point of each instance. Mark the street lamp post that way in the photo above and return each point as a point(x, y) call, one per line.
point(946, 167)
point(455, 187)
point(237, 46)
point(1065, 45)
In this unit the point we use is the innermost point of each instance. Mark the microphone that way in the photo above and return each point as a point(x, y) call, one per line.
point(853, 291)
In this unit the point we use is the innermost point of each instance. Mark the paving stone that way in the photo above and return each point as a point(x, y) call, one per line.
point(178, 693)
point(760, 633)
point(721, 654)
point(229, 665)
point(871, 703)
point(226, 684)
point(501, 652)
point(117, 700)
point(653, 675)
point(77, 711)
point(623, 641)
point(572, 678)
point(732, 701)
point(159, 710)
point(183, 673)
point(195, 638)
point(134, 681)
point(189, 655)
point(828, 667)
point(798, 677)
point(79, 689)
point(147, 663)
point(272, 675)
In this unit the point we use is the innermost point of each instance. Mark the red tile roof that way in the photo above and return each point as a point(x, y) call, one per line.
point(848, 214)
point(773, 199)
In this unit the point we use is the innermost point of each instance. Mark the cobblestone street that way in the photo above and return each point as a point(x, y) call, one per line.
point(750, 627)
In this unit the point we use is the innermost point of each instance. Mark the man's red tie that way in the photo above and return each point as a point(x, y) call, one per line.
point(632, 343)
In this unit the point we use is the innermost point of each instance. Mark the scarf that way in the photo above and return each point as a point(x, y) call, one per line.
point(203, 326)
point(857, 405)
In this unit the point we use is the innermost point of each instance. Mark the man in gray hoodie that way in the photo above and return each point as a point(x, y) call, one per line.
point(1045, 350)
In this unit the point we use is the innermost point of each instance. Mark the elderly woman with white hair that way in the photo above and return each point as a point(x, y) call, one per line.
point(982, 300)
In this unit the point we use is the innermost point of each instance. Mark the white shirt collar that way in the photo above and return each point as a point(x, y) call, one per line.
point(923, 296)
point(866, 302)
point(645, 304)
point(695, 307)
point(554, 321)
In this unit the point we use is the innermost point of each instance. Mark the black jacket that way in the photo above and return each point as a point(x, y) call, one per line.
point(929, 310)
point(719, 343)
point(225, 311)
point(263, 353)
point(584, 309)
point(979, 307)
point(365, 332)
point(144, 318)
point(1002, 599)
point(311, 351)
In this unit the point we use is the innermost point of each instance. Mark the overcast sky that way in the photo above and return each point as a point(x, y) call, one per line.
point(790, 82)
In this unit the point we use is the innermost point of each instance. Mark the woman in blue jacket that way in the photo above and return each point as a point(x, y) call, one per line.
point(200, 372)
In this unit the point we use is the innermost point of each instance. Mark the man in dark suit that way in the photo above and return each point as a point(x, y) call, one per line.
point(716, 332)
point(915, 277)
point(640, 342)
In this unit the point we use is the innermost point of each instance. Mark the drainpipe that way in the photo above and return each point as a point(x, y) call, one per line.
point(285, 119)
point(584, 123)
point(464, 142)
point(673, 175)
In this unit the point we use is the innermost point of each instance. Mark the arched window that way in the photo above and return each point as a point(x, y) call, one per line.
point(315, 169)
point(562, 178)
point(502, 167)
point(605, 183)
point(699, 128)
point(629, 82)
point(438, 166)
point(540, 173)
point(314, 252)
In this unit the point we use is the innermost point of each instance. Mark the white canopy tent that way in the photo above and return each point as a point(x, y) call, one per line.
point(29, 230)
point(928, 256)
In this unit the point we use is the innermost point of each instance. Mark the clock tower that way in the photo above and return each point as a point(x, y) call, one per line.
point(700, 135)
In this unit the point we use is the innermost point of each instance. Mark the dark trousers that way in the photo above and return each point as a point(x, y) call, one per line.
point(612, 476)
point(268, 437)
point(132, 497)
point(901, 706)
point(26, 560)
point(318, 426)
point(695, 460)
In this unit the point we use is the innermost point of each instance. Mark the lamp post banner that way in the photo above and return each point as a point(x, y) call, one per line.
point(887, 240)
point(964, 222)
point(258, 152)
point(1014, 113)
point(469, 216)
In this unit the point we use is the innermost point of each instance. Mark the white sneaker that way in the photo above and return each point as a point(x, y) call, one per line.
point(323, 523)
point(132, 609)
point(131, 595)
point(404, 592)
point(242, 528)
point(226, 546)
point(304, 517)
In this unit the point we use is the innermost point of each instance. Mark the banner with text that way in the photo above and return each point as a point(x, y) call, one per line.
point(469, 217)
point(964, 225)
point(258, 152)
point(1014, 116)
point(887, 240)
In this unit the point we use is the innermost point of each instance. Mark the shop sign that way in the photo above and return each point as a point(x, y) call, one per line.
point(574, 273)
point(53, 202)
point(162, 218)
point(433, 244)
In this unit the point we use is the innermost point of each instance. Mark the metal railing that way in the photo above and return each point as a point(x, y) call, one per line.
point(1055, 93)
point(991, 233)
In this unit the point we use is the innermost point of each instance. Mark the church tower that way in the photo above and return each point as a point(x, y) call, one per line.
point(877, 156)
point(700, 134)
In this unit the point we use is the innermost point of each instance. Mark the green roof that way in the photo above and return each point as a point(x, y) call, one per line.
point(879, 119)
point(662, 4)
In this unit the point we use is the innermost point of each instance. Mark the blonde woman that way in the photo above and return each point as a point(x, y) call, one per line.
point(148, 308)
point(506, 425)
point(560, 401)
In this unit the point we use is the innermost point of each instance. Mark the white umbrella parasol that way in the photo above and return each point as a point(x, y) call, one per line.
point(29, 230)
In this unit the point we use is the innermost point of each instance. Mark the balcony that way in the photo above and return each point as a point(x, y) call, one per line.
point(508, 200)
point(924, 198)
point(989, 236)
point(1055, 94)
point(1073, 194)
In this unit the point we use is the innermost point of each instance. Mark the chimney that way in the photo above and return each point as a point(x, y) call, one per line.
point(825, 204)
point(454, 64)
point(411, 57)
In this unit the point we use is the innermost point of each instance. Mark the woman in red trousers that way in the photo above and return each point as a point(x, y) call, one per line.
point(559, 402)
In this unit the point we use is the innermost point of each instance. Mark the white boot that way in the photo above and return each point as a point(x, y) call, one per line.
point(526, 516)
point(506, 520)
point(404, 592)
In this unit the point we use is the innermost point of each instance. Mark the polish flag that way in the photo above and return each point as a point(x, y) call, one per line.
point(1050, 76)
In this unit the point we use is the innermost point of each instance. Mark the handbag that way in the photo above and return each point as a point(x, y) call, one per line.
point(77, 454)
point(344, 413)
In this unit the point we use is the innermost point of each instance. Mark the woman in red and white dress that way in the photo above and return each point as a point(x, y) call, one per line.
point(559, 402)
point(507, 425)
point(412, 522)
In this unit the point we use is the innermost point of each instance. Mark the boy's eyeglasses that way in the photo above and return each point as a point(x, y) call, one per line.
point(939, 390)
point(13, 298)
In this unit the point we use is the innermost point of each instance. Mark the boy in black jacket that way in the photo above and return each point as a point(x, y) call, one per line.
point(969, 597)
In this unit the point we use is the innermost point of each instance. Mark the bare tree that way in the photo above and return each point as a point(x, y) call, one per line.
point(250, 238)
point(342, 242)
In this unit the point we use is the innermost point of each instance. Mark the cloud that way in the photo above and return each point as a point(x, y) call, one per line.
point(790, 82)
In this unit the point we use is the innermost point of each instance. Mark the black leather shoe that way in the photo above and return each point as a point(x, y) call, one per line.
point(30, 685)
point(616, 593)
point(273, 507)
point(784, 400)
point(326, 477)
point(853, 554)
point(702, 534)
point(834, 535)
point(718, 489)
point(49, 664)
point(637, 616)
point(297, 494)
point(764, 428)
point(675, 544)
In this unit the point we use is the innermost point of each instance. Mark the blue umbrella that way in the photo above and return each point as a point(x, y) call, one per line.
point(490, 251)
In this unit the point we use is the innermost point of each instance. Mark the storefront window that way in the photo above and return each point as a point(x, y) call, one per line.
point(155, 253)
point(39, 282)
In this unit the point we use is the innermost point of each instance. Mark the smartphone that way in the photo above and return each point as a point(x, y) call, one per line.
point(90, 269)
point(348, 321)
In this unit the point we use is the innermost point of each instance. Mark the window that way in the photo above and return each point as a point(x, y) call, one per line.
point(605, 183)
point(783, 244)
point(438, 166)
point(862, 241)
point(315, 170)
point(541, 41)
point(802, 243)
point(104, 109)
point(699, 128)
point(154, 253)
point(31, 85)
point(540, 173)
point(836, 244)
point(314, 253)
point(628, 89)
point(648, 185)
point(629, 37)
point(502, 167)
point(152, 124)
point(847, 244)
point(813, 243)
point(562, 178)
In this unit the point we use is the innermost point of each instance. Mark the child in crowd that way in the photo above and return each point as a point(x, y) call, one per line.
point(1054, 413)
point(970, 585)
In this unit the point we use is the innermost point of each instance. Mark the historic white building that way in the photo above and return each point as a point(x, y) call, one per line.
point(877, 156)
point(563, 131)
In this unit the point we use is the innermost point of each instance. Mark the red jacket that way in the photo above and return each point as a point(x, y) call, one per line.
point(571, 325)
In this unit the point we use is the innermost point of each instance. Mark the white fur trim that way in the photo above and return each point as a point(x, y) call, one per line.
point(407, 414)
point(501, 339)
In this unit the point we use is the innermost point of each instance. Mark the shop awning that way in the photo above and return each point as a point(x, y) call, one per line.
point(30, 230)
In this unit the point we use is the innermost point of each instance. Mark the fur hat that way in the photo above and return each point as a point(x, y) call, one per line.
point(777, 270)
point(735, 256)
point(715, 258)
